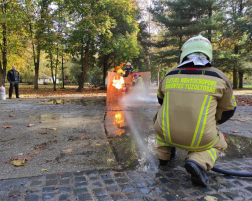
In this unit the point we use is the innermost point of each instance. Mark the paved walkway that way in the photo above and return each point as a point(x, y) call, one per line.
point(168, 183)
point(134, 175)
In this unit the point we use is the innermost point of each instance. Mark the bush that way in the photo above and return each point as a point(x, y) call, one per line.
point(103, 88)
point(61, 84)
point(73, 80)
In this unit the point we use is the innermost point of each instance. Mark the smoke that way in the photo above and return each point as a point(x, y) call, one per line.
point(138, 95)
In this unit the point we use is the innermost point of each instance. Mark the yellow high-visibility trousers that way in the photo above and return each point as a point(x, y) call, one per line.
point(206, 158)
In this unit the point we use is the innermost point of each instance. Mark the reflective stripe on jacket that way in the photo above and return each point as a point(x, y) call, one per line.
point(138, 82)
point(193, 101)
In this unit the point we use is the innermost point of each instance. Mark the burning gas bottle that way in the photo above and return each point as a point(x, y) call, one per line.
point(124, 89)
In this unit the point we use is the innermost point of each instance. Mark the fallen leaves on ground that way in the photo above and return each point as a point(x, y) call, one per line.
point(110, 160)
point(12, 115)
point(40, 148)
point(7, 161)
point(235, 131)
point(6, 126)
point(84, 137)
point(244, 100)
point(45, 91)
point(68, 150)
point(55, 118)
point(210, 198)
point(241, 120)
point(44, 170)
point(43, 133)
point(54, 129)
point(20, 159)
point(33, 153)
point(48, 160)
point(30, 125)
point(19, 163)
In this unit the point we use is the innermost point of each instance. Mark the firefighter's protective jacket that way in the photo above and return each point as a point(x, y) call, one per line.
point(193, 100)
point(128, 71)
point(138, 82)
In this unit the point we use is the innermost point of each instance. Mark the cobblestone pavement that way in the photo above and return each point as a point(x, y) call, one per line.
point(166, 183)
point(145, 181)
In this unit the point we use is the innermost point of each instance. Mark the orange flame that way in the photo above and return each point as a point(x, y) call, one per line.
point(119, 123)
point(118, 69)
point(118, 81)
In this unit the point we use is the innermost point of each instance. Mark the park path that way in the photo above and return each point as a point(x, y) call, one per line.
point(81, 149)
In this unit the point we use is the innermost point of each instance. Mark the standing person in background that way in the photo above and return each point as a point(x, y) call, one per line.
point(14, 78)
point(195, 97)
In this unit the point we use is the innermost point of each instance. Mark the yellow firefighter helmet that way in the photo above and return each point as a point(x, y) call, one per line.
point(197, 44)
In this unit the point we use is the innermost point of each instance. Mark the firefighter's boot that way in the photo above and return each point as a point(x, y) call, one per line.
point(172, 157)
point(198, 173)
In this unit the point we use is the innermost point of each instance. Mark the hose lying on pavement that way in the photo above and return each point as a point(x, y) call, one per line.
point(232, 173)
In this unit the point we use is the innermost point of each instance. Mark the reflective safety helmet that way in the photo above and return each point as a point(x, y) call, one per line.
point(197, 44)
point(128, 63)
point(135, 75)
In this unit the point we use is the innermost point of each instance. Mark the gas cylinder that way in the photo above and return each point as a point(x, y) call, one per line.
point(2, 93)
point(124, 90)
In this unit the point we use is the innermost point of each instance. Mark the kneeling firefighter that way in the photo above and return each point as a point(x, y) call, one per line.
point(138, 81)
point(194, 98)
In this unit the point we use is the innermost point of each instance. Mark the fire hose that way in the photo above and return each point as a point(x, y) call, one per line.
point(232, 173)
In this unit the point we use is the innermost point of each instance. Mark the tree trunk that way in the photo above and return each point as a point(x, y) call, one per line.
point(158, 75)
point(63, 76)
point(4, 55)
point(56, 71)
point(37, 68)
point(51, 59)
point(235, 71)
point(210, 12)
point(3, 47)
point(79, 78)
point(105, 63)
point(234, 78)
point(240, 72)
point(84, 65)
point(240, 79)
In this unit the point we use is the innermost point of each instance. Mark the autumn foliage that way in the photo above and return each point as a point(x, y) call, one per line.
point(27, 92)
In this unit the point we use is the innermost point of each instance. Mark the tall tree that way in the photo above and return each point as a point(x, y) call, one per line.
point(36, 16)
point(96, 26)
point(180, 20)
point(235, 28)
point(122, 44)
point(90, 19)
point(11, 33)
